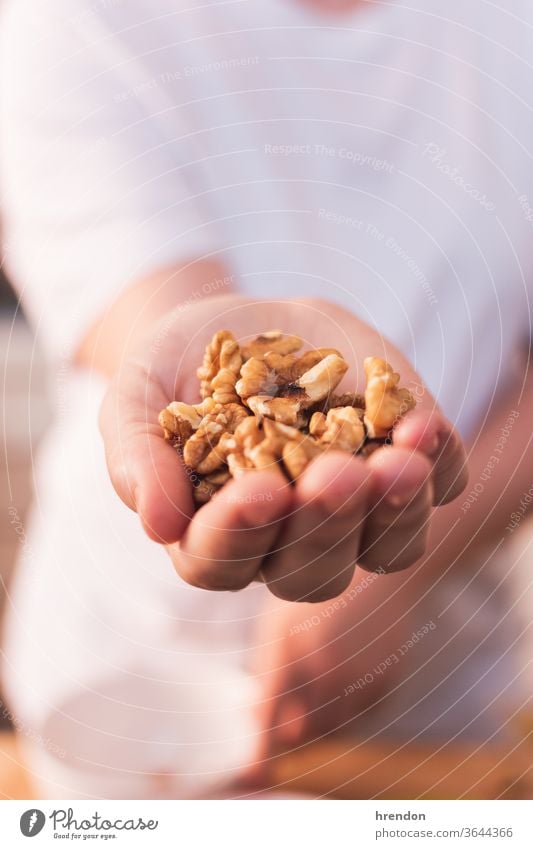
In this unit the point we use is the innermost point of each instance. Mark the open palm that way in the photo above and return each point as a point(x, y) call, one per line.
point(303, 541)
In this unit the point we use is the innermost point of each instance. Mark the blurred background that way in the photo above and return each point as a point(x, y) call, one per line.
point(336, 768)
point(381, 765)
point(23, 387)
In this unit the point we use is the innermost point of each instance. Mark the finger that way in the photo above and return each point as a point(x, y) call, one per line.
point(281, 723)
point(317, 550)
point(430, 433)
point(227, 539)
point(277, 672)
point(396, 530)
point(145, 470)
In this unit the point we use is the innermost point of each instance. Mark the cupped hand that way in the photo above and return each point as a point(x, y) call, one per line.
point(327, 668)
point(305, 540)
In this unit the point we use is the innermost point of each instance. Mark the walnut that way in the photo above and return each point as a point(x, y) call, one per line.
point(233, 447)
point(267, 406)
point(289, 368)
point(199, 447)
point(202, 451)
point(298, 454)
point(320, 380)
point(220, 369)
point(211, 361)
point(179, 420)
point(248, 433)
point(287, 402)
point(235, 415)
point(275, 373)
point(349, 399)
point(275, 436)
point(281, 366)
point(225, 445)
point(285, 410)
point(255, 447)
point(385, 403)
point(256, 379)
point(223, 383)
point(274, 340)
point(278, 434)
point(318, 424)
point(342, 428)
point(175, 428)
point(239, 464)
point(263, 456)
point(208, 486)
point(203, 491)
point(219, 478)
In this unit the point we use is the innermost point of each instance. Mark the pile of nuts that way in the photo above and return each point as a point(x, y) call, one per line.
point(264, 405)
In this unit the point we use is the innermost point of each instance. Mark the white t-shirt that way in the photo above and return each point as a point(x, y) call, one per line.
point(382, 159)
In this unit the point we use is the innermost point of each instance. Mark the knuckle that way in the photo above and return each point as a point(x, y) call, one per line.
point(284, 590)
point(212, 576)
point(397, 549)
point(329, 591)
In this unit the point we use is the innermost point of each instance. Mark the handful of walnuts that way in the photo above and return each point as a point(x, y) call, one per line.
point(264, 404)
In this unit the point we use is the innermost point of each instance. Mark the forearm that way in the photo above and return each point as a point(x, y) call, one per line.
point(117, 333)
point(500, 474)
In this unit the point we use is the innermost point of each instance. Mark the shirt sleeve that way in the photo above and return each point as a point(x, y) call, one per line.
point(96, 167)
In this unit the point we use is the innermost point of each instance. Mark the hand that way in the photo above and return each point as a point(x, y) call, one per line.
point(302, 541)
point(322, 667)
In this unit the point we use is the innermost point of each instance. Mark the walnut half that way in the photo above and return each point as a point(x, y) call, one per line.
point(341, 428)
point(202, 451)
point(385, 403)
point(220, 369)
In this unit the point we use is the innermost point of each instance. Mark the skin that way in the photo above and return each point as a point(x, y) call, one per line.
point(303, 541)
point(302, 671)
point(307, 545)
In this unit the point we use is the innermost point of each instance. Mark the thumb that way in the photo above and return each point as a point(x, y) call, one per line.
point(146, 472)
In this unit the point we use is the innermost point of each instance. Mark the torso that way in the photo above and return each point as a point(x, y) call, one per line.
point(375, 158)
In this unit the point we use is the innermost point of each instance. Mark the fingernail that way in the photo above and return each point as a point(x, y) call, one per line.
point(399, 500)
point(433, 445)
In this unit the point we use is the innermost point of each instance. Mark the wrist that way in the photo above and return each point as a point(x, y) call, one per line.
point(141, 310)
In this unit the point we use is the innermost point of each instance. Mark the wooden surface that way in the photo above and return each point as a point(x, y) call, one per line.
point(14, 783)
point(388, 770)
point(351, 770)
